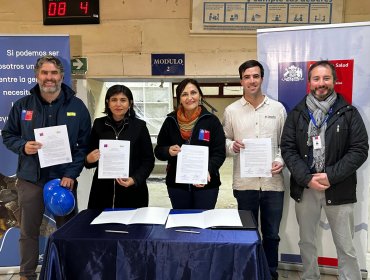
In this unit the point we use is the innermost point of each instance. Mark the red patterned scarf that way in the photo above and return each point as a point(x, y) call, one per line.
point(186, 124)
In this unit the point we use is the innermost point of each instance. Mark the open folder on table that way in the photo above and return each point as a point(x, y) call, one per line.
point(145, 215)
point(216, 218)
point(248, 221)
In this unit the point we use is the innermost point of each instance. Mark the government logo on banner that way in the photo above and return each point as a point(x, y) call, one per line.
point(293, 81)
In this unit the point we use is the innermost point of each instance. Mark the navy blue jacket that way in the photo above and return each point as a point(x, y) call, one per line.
point(170, 135)
point(346, 149)
point(20, 128)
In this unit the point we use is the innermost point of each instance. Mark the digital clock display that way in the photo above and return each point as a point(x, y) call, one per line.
point(71, 12)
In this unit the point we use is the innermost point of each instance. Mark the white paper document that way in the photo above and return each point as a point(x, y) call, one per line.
point(55, 145)
point(206, 219)
point(145, 215)
point(114, 159)
point(192, 165)
point(256, 158)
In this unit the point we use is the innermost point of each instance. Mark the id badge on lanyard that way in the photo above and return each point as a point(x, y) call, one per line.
point(316, 140)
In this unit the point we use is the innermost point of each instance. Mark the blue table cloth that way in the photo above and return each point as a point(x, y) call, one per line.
point(79, 250)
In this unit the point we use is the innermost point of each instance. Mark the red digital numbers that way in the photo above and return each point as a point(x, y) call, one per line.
point(57, 9)
point(84, 7)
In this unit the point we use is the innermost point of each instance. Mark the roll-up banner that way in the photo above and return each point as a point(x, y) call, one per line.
point(287, 54)
point(18, 55)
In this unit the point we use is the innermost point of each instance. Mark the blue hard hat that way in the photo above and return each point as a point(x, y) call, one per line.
point(58, 200)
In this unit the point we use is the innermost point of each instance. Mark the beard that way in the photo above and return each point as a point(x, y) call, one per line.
point(50, 89)
point(322, 97)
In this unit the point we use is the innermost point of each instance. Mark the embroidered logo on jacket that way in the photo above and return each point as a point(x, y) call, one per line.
point(204, 135)
point(71, 114)
point(26, 115)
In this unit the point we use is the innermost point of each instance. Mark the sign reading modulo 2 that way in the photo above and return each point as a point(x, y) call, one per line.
point(71, 12)
point(168, 64)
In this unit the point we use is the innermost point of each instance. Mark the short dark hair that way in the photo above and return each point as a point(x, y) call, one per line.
point(117, 89)
point(324, 63)
point(183, 84)
point(249, 64)
point(50, 59)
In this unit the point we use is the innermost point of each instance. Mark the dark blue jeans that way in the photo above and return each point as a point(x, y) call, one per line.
point(270, 204)
point(193, 199)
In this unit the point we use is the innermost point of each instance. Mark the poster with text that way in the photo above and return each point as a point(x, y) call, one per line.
point(18, 55)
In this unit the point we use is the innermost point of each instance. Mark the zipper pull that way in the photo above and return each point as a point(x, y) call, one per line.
point(338, 128)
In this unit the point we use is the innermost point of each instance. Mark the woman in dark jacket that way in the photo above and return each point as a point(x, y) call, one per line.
point(191, 124)
point(120, 123)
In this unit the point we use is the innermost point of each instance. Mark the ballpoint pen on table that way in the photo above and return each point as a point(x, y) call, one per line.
point(186, 231)
point(116, 231)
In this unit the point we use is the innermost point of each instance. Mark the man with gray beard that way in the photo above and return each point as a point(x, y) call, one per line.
point(51, 103)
